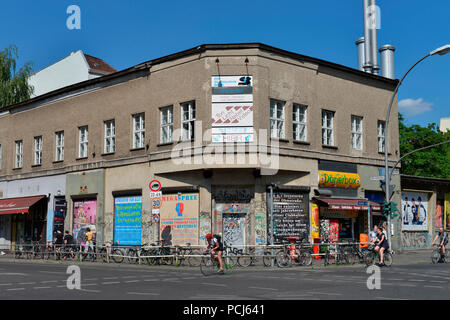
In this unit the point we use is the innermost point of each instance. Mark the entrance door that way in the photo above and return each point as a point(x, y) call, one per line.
point(233, 229)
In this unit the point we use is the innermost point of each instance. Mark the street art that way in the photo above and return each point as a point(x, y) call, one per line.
point(233, 229)
point(260, 228)
point(415, 240)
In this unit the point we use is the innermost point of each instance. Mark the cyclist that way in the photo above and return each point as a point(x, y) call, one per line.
point(381, 245)
point(443, 240)
point(216, 247)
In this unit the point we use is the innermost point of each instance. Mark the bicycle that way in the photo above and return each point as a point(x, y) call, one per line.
point(159, 255)
point(187, 254)
point(337, 253)
point(373, 257)
point(356, 254)
point(231, 254)
point(209, 265)
point(437, 256)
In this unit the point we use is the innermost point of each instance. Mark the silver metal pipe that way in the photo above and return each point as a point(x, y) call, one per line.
point(360, 45)
point(373, 36)
point(367, 51)
point(387, 61)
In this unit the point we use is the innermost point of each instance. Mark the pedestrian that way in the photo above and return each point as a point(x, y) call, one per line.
point(88, 238)
point(59, 238)
point(68, 243)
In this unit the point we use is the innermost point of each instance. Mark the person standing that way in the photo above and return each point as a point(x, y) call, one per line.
point(89, 240)
point(68, 243)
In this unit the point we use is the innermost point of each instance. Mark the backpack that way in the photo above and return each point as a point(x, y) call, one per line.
point(218, 237)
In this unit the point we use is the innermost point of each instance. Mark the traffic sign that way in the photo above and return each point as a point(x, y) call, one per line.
point(156, 203)
point(377, 178)
point(155, 185)
point(156, 211)
point(156, 217)
point(157, 194)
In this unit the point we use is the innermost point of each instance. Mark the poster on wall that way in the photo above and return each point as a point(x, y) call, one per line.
point(84, 216)
point(179, 219)
point(414, 211)
point(290, 215)
point(447, 212)
point(232, 224)
point(128, 220)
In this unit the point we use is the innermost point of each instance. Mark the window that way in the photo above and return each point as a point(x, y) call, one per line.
point(299, 122)
point(83, 146)
point(110, 136)
point(19, 153)
point(166, 124)
point(59, 146)
point(276, 119)
point(37, 151)
point(138, 131)
point(381, 127)
point(188, 120)
point(327, 128)
point(356, 133)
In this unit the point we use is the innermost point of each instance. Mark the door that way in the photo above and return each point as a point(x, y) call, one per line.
point(233, 229)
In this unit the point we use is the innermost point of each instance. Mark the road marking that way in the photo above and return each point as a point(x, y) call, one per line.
point(112, 282)
point(13, 274)
point(418, 280)
point(5, 284)
point(126, 277)
point(129, 281)
point(144, 293)
point(326, 293)
point(15, 289)
point(52, 272)
point(25, 283)
point(384, 298)
point(49, 281)
point(437, 281)
point(260, 288)
point(107, 278)
point(214, 284)
point(96, 291)
point(438, 287)
point(151, 280)
point(90, 284)
point(41, 287)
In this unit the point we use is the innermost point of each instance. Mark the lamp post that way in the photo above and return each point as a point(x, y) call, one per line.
point(440, 51)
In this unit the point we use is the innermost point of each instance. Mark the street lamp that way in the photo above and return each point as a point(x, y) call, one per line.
point(440, 51)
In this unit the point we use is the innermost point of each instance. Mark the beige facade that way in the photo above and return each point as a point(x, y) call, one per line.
point(185, 77)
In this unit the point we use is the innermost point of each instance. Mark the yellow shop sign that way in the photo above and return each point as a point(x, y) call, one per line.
point(339, 179)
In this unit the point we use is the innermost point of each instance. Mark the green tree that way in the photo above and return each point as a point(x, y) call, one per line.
point(433, 162)
point(14, 86)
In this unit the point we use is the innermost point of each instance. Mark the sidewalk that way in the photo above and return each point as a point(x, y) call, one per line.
point(412, 257)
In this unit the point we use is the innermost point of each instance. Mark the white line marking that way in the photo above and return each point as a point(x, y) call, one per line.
point(129, 281)
point(5, 284)
point(144, 293)
point(15, 289)
point(326, 293)
point(434, 287)
point(96, 291)
point(113, 282)
point(49, 281)
point(24, 283)
point(41, 287)
point(263, 288)
point(214, 284)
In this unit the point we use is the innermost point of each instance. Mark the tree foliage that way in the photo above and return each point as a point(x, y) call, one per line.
point(14, 86)
point(433, 162)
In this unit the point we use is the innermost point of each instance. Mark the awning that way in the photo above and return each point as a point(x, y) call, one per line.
point(18, 205)
point(349, 204)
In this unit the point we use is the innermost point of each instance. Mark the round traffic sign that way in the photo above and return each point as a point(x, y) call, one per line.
point(155, 185)
point(156, 203)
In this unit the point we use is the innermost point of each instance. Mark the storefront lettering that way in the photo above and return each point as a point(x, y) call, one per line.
point(339, 179)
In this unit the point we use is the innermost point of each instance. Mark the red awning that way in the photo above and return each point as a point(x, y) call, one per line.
point(18, 205)
point(349, 204)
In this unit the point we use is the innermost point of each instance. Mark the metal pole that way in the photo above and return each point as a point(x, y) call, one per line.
point(386, 147)
point(272, 260)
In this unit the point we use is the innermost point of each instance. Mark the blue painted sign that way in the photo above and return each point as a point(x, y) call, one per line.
point(128, 220)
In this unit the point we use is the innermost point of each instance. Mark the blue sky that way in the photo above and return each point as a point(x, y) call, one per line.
point(125, 33)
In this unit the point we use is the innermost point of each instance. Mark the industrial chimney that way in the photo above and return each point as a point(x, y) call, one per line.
point(387, 61)
point(361, 54)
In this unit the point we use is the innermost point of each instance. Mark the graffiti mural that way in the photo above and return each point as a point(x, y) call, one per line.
point(415, 240)
point(260, 228)
point(234, 229)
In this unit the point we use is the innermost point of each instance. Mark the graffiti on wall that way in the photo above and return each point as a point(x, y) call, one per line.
point(260, 228)
point(415, 240)
point(204, 225)
point(234, 229)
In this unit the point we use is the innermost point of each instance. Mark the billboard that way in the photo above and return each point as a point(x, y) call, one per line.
point(447, 212)
point(414, 211)
point(179, 219)
point(128, 220)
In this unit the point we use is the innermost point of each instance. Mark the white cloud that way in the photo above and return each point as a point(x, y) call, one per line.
point(413, 107)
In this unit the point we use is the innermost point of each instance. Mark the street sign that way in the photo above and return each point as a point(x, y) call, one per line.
point(157, 194)
point(156, 203)
point(377, 178)
point(155, 185)
point(156, 211)
point(156, 217)
point(363, 203)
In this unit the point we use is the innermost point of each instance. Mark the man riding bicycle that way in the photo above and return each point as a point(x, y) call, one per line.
point(443, 240)
point(216, 249)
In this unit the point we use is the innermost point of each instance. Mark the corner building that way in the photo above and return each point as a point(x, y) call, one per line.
point(222, 127)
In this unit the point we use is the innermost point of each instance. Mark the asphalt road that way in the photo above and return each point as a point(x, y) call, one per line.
point(48, 280)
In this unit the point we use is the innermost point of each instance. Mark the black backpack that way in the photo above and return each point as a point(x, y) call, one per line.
point(218, 237)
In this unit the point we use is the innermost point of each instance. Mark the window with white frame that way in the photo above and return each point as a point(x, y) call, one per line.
point(19, 153)
point(83, 142)
point(299, 122)
point(138, 131)
point(37, 151)
point(166, 124)
point(188, 120)
point(110, 136)
point(59, 145)
point(381, 130)
point(357, 132)
point(276, 119)
point(327, 128)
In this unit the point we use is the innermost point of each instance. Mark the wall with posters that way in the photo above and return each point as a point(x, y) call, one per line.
point(179, 218)
point(447, 212)
point(414, 210)
point(128, 220)
point(84, 216)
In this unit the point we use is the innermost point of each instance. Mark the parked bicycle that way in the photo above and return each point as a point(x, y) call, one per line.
point(188, 255)
point(159, 254)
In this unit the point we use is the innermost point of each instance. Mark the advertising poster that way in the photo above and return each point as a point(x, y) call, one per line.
point(414, 210)
point(315, 232)
point(128, 220)
point(84, 216)
point(179, 219)
point(447, 212)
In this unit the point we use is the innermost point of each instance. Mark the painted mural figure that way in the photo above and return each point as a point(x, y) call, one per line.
point(422, 213)
point(407, 214)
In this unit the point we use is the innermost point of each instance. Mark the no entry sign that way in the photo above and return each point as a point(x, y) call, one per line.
point(155, 185)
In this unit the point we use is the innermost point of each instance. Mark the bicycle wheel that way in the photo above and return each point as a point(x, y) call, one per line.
point(132, 256)
point(208, 266)
point(117, 255)
point(230, 259)
point(194, 261)
point(387, 259)
point(244, 261)
point(369, 259)
point(305, 258)
point(435, 256)
point(283, 260)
